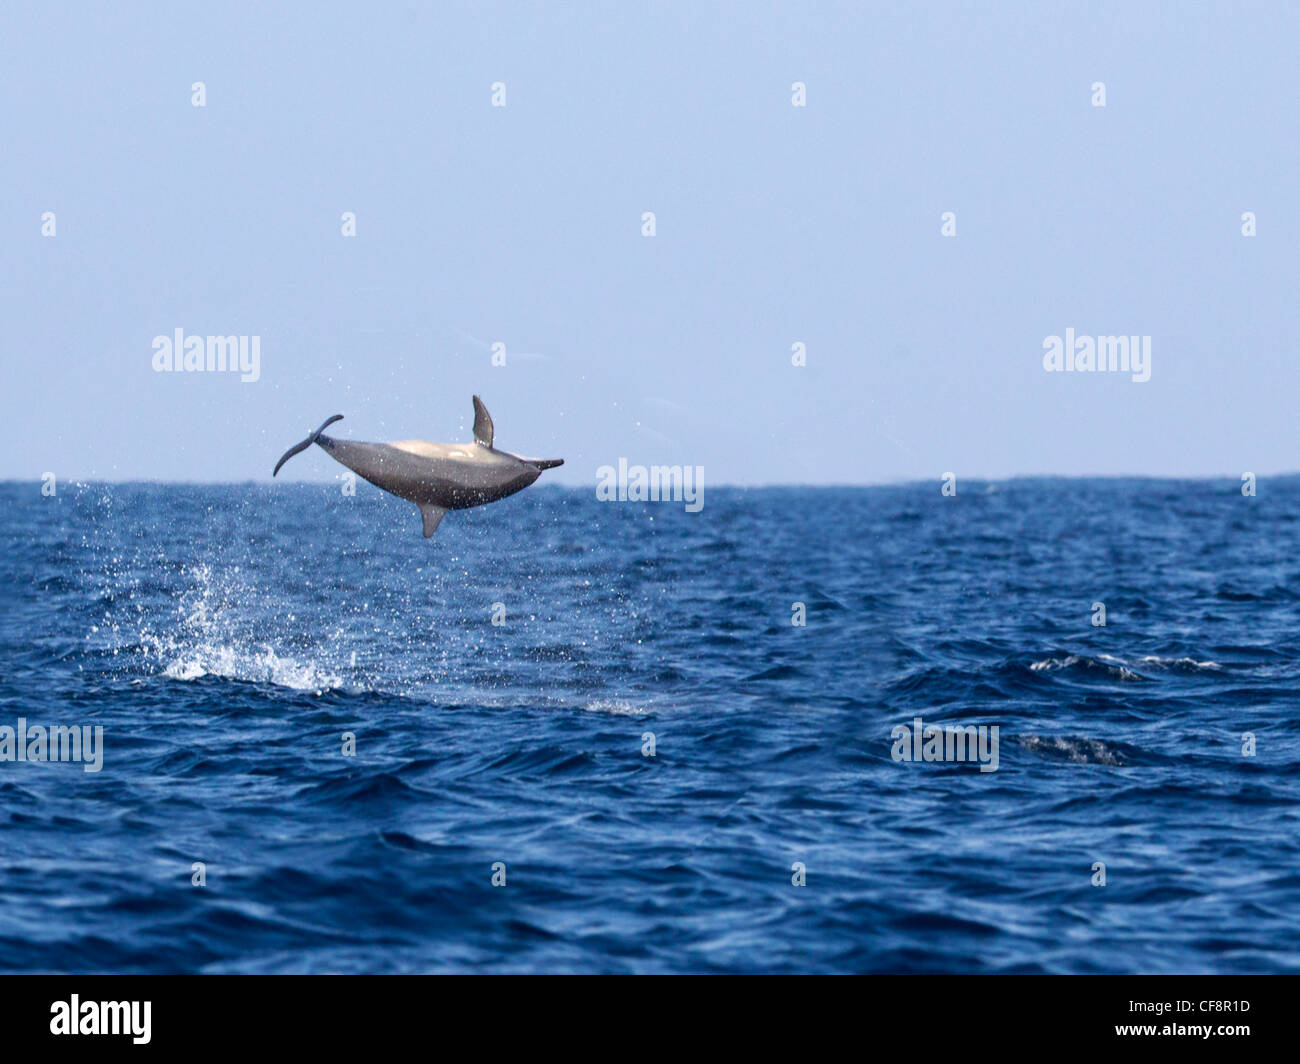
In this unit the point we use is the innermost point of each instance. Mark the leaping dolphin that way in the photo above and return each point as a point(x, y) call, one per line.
point(437, 477)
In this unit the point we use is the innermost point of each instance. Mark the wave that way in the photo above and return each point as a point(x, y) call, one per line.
point(1078, 750)
point(1082, 663)
point(1119, 669)
point(1179, 664)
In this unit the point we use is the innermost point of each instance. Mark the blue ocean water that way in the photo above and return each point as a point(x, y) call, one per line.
point(226, 638)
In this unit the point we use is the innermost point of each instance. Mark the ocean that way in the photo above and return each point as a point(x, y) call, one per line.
point(567, 735)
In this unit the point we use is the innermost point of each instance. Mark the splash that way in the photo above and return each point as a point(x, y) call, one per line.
point(261, 666)
point(615, 708)
point(211, 636)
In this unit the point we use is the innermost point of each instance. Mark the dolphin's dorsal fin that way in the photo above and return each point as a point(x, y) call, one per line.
point(432, 515)
point(482, 425)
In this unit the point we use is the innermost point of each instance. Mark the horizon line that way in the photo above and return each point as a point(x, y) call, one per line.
point(1197, 477)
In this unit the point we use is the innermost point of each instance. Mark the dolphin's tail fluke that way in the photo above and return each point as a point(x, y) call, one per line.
point(298, 448)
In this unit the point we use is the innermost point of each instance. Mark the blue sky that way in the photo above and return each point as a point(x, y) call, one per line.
point(775, 225)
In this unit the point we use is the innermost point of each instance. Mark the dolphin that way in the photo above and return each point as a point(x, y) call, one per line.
point(437, 477)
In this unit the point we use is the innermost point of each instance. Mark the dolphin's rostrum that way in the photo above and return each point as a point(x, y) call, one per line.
point(437, 477)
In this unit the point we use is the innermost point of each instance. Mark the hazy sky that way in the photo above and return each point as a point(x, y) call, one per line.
point(775, 225)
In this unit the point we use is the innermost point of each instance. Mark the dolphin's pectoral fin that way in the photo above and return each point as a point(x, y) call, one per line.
point(482, 423)
point(432, 515)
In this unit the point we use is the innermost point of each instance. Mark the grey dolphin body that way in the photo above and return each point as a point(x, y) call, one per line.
point(437, 477)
